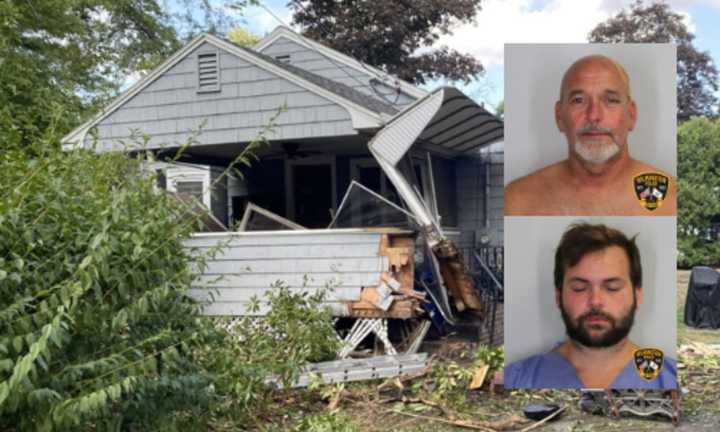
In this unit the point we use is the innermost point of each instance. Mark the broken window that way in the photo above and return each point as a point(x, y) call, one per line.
point(363, 208)
point(367, 172)
point(258, 219)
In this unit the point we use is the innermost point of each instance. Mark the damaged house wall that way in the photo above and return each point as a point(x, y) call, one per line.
point(319, 143)
point(365, 273)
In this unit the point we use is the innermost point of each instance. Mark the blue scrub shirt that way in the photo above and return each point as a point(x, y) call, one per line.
point(551, 370)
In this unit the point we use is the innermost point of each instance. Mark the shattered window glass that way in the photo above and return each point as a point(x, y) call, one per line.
point(259, 219)
point(363, 208)
point(258, 222)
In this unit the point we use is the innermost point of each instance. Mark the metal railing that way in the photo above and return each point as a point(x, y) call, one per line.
point(485, 264)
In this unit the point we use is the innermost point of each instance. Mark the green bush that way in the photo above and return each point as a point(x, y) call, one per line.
point(332, 421)
point(698, 220)
point(295, 331)
point(96, 328)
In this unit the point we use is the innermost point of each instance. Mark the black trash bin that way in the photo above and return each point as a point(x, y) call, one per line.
point(702, 305)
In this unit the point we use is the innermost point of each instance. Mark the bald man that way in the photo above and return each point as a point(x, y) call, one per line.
point(596, 113)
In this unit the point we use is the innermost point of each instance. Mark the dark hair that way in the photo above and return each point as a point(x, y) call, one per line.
point(583, 238)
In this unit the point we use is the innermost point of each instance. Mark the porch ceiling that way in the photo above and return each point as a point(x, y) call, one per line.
point(445, 121)
point(223, 154)
point(461, 125)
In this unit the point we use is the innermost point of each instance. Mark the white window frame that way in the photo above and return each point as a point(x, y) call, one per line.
point(190, 174)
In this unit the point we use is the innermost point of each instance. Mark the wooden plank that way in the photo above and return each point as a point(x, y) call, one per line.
point(235, 295)
point(293, 280)
point(302, 265)
point(405, 274)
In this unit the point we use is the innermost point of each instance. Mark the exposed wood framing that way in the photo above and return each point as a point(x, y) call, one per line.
point(452, 268)
point(371, 270)
point(394, 296)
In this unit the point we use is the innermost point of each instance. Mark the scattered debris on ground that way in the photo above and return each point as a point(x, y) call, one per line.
point(458, 392)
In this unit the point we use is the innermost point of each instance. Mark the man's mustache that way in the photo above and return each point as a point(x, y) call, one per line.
point(595, 313)
point(594, 128)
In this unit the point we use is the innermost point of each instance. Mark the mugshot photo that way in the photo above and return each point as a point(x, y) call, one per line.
point(583, 123)
point(590, 302)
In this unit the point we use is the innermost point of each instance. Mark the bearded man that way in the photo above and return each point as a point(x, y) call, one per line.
point(598, 289)
point(596, 113)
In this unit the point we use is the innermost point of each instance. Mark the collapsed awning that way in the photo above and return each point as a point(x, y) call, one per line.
point(445, 121)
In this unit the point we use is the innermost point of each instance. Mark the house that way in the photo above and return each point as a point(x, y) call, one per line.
point(334, 120)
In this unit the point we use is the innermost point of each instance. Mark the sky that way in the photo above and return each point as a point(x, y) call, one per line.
point(525, 21)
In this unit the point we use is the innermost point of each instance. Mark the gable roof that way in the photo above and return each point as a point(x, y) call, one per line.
point(338, 88)
point(334, 55)
point(365, 111)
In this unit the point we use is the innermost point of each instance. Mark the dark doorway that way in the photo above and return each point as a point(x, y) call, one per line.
point(312, 192)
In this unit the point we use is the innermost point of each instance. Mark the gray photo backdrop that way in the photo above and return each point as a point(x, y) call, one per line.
point(533, 73)
point(532, 320)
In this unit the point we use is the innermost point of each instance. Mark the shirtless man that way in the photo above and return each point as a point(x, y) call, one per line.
point(595, 112)
point(598, 288)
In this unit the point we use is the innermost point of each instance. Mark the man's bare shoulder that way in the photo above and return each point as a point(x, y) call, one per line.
point(523, 196)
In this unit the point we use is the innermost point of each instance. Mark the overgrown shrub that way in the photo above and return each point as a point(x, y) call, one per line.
point(95, 325)
point(96, 329)
point(295, 331)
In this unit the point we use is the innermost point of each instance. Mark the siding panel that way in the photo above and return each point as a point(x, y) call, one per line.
point(471, 202)
point(254, 281)
point(249, 96)
point(311, 60)
point(246, 265)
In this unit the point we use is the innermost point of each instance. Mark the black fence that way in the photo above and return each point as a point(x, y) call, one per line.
point(486, 266)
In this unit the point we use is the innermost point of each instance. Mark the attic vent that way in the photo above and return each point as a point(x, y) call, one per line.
point(285, 58)
point(208, 72)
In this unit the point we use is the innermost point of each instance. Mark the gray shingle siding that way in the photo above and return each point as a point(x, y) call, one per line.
point(339, 89)
point(471, 204)
point(170, 108)
point(308, 59)
point(307, 261)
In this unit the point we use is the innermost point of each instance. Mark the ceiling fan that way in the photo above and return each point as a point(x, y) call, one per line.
point(292, 151)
